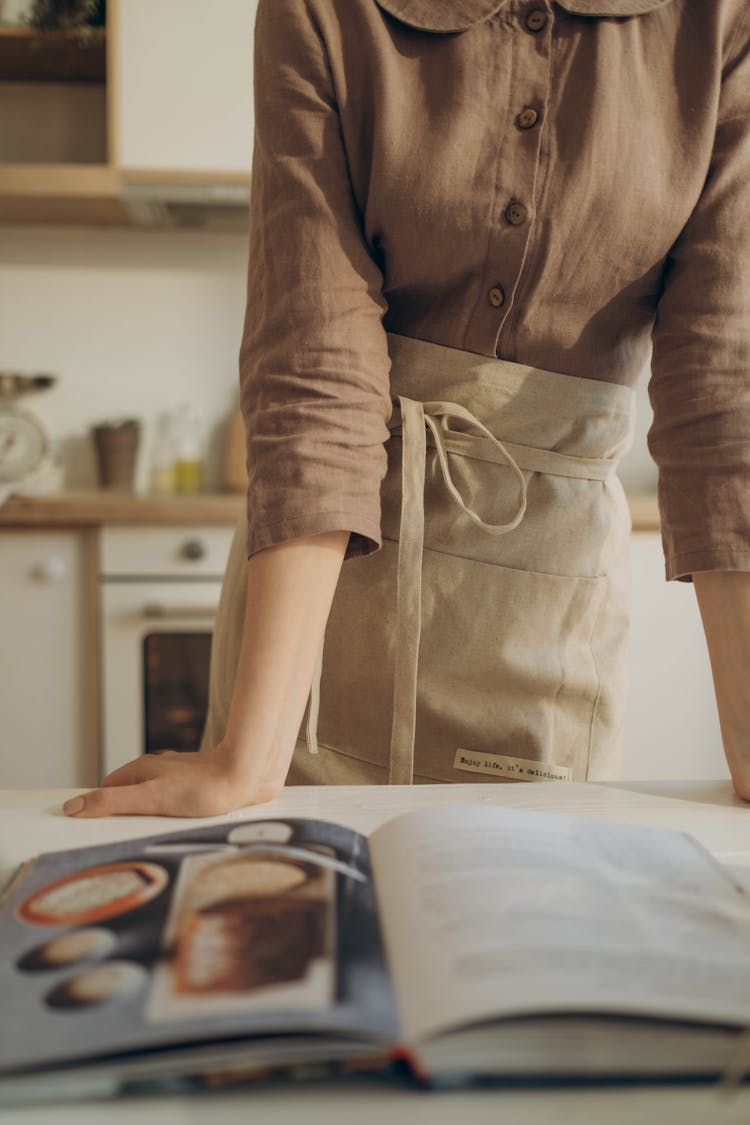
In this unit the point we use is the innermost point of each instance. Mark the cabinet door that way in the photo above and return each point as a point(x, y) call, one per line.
point(183, 85)
point(47, 678)
point(672, 727)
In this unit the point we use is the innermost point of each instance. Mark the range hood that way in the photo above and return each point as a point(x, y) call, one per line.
point(214, 206)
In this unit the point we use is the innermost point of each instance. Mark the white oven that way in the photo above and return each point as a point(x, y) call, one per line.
point(159, 590)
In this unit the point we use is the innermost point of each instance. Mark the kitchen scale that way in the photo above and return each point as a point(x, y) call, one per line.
point(24, 444)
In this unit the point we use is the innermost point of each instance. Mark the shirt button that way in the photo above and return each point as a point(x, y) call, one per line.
point(527, 118)
point(497, 296)
point(536, 19)
point(516, 214)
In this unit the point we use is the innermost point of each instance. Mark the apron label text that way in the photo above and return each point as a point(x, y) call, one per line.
point(522, 769)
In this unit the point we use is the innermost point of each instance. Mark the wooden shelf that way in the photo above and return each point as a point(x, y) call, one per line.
point(89, 188)
point(61, 193)
point(46, 180)
point(217, 179)
point(28, 54)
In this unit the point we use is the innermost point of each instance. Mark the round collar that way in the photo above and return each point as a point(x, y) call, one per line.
point(458, 15)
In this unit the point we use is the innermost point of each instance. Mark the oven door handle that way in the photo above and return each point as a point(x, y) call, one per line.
point(158, 611)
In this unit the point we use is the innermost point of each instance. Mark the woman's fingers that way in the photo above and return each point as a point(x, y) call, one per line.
point(144, 798)
point(177, 792)
point(207, 783)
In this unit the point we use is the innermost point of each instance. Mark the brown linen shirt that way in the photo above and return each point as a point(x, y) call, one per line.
point(562, 184)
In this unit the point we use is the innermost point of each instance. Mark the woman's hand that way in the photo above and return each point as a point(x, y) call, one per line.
point(206, 783)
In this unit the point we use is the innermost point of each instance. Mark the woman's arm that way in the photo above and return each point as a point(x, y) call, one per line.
point(724, 601)
point(700, 392)
point(289, 593)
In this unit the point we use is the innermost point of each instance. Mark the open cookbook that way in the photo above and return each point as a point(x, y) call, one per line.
point(476, 944)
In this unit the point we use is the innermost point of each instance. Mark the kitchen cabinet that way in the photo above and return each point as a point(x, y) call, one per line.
point(152, 117)
point(48, 681)
point(672, 725)
point(183, 75)
point(55, 145)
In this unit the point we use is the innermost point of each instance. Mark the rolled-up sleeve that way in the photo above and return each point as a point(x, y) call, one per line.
point(700, 382)
point(314, 363)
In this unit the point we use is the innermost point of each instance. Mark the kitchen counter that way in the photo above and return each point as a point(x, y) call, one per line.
point(91, 508)
point(31, 821)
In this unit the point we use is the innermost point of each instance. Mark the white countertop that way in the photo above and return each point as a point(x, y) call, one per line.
point(31, 822)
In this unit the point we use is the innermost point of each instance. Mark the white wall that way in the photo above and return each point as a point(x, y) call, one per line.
point(133, 322)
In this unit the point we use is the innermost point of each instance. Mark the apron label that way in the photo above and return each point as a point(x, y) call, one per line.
point(522, 769)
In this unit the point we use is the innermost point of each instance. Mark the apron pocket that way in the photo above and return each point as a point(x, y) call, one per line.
point(506, 669)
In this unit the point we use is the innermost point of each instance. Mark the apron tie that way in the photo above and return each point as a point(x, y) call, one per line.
point(416, 419)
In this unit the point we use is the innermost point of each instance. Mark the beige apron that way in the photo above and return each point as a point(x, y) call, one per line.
point(487, 639)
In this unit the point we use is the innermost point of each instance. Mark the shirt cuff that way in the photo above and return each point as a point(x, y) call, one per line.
point(681, 567)
point(364, 534)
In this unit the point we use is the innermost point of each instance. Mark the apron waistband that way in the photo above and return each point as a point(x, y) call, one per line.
point(479, 448)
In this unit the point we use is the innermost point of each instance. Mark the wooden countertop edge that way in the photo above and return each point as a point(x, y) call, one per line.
point(95, 507)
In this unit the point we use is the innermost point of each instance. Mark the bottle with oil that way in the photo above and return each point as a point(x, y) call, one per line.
point(164, 458)
point(189, 462)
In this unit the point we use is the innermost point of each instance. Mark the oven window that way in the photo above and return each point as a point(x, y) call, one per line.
point(175, 689)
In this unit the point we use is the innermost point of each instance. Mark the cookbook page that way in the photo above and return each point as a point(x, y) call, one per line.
point(491, 912)
point(240, 928)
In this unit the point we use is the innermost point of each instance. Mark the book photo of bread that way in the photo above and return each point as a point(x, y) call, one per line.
point(238, 946)
point(248, 930)
point(94, 894)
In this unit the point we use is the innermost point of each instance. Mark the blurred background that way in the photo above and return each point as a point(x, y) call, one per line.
point(125, 141)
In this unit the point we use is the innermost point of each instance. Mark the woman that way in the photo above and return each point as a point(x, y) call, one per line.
point(471, 222)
